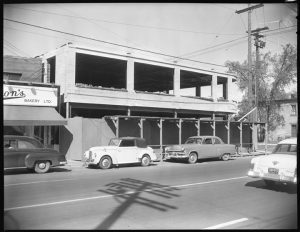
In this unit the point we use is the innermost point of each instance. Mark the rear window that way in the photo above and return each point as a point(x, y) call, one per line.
point(285, 149)
point(127, 143)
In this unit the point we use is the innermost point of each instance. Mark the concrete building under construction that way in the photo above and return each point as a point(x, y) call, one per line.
point(107, 94)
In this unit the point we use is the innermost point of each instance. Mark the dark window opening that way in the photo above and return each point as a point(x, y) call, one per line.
point(100, 71)
point(51, 70)
point(153, 78)
point(195, 84)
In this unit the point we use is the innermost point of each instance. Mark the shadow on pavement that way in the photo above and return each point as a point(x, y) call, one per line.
point(10, 223)
point(278, 187)
point(129, 191)
point(91, 166)
point(19, 171)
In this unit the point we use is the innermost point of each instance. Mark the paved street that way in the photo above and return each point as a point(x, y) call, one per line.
point(166, 195)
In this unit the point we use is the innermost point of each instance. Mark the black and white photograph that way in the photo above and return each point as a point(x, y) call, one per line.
point(150, 116)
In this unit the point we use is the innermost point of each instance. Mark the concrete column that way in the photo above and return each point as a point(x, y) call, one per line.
point(198, 91)
point(45, 70)
point(214, 82)
point(67, 109)
point(176, 81)
point(130, 75)
point(229, 93)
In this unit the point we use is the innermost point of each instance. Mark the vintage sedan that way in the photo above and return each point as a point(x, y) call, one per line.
point(200, 147)
point(280, 166)
point(122, 150)
point(24, 151)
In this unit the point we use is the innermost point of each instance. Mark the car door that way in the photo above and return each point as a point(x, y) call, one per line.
point(127, 152)
point(209, 149)
point(219, 147)
point(15, 152)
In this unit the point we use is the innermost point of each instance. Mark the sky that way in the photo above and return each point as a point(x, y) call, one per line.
point(207, 34)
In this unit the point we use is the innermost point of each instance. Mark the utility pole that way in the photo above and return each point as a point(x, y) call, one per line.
point(258, 44)
point(250, 78)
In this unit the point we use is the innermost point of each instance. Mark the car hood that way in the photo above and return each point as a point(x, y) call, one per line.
point(104, 148)
point(277, 160)
point(178, 147)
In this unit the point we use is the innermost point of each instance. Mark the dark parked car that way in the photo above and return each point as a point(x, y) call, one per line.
point(200, 147)
point(23, 151)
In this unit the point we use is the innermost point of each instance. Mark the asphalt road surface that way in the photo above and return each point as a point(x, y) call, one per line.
point(211, 194)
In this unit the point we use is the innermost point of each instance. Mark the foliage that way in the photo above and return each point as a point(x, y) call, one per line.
point(275, 73)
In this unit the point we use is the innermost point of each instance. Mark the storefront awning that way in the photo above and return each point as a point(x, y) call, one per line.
point(31, 116)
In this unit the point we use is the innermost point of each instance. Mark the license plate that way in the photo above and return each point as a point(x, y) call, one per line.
point(273, 170)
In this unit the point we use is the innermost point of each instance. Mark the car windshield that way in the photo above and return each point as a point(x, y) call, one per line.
point(114, 142)
point(289, 149)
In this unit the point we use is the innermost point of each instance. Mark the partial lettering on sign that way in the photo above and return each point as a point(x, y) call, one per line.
point(29, 95)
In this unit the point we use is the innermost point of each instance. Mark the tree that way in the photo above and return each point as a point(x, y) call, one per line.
point(276, 72)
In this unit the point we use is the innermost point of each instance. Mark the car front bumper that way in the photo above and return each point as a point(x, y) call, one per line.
point(176, 155)
point(274, 177)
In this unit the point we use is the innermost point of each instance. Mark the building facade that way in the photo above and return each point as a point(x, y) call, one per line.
point(30, 106)
point(107, 93)
point(287, 108)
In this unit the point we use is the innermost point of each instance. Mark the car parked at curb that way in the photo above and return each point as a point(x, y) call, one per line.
point(200, 147)
point(123, 150)
point(24, 151)
point(278, 167)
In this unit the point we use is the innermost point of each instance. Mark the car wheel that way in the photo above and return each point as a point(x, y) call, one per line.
point(145, 160)
point(42, 166)
point(225, 157)
point(193, 158)
point(269, 183)
point(105, 162)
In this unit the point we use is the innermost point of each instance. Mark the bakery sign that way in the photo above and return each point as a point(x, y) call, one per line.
point(29, 95)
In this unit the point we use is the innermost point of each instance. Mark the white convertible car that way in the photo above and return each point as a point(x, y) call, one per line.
point(122, 150)
point(279, 166)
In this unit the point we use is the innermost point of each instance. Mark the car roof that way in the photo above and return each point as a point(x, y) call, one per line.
point(203, 136)
point(130, 137)
point(289, 141)
point(18, 137)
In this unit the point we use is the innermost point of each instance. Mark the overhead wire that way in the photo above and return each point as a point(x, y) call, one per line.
point(129, 24)
point(186, 55)
point(91, 21)
point(111, 43)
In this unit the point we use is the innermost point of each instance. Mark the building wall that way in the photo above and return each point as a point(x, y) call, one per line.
point(82, 133)
point(29, 68)
point(285, 130)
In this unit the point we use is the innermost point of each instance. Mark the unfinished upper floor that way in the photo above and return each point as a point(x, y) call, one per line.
point(122, 78)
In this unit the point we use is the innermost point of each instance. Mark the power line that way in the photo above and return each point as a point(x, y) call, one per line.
point(115, 44)
point(128, 24)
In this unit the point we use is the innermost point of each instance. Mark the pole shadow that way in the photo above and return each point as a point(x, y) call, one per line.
point(129, 191)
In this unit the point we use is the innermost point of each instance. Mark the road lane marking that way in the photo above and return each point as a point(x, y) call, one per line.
point(127, 193)
point(37, 182)
point(226, 224)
